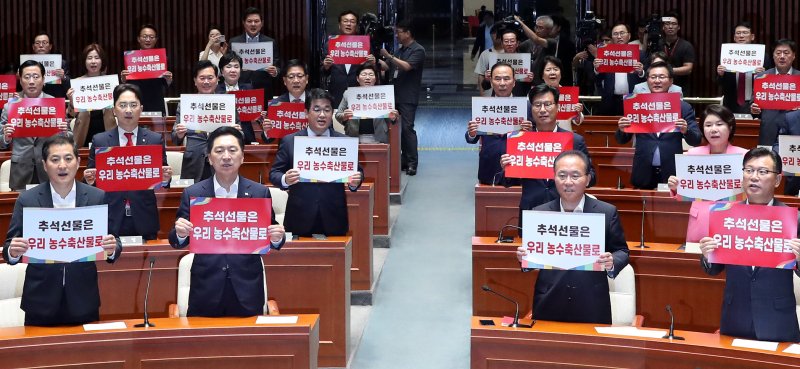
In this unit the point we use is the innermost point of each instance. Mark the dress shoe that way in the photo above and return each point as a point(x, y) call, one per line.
point(411, 171)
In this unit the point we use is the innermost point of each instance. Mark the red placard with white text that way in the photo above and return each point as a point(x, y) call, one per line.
point(230, 226)
point(8, 85)
point(533, 153)
point(618, 58)
point(753, 235)
point(249, 103)
point(145, 64)
point(287, 118)
point(777, 92)
point(652, 112)
point(348, 49)
point(36, 117)
point(567, 102)
point(128, 168)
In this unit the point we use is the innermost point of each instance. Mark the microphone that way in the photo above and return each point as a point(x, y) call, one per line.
point(515, 323)
point(671, 334)
point(502, 239)
point(146, 322)
point(641, 234)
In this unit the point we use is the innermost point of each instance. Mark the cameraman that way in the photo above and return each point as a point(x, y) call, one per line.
point(548, 39)
point(680, 53)
point(336, 78)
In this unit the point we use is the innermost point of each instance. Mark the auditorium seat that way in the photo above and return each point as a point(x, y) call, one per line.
point(13, 277)
point(279, 198)
point(5, 174)
point(622, 290)
point(175, 159)
point(337, 126)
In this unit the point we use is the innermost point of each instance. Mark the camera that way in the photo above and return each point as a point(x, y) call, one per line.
point(654, 33)
point(379, 33)
point(587, 30)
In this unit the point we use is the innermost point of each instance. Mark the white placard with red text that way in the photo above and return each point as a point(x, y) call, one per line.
point(709, 177)
point(789, 150)
point(64, 235)
point(499, 115)
point(370, 101)
point(230, 226)
point(742, 57)
point(255, 55)
point(94, 93)
point(205, 113)
point(570, 241)
point(520, 61)
point(325, 159)
point(51, 62)
point(145, 64)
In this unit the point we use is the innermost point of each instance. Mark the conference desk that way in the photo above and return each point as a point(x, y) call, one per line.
point(573, 345)
point(174, 343)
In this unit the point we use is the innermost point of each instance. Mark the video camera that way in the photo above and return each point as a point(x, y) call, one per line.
point(654, 33)
point(379, 33)
point(587, 30)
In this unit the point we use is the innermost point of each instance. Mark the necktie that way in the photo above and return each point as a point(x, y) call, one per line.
point(129, 136)
point(740, 89)
point(297, 101)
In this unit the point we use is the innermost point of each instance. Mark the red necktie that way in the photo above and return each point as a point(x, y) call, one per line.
point(740, 90)
point(129, 136)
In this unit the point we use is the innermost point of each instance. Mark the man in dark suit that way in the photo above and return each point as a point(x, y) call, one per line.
point(252, 23)
point(62, 293)
point(571, 295)
point(337, 78)
point(295, 79)
point(614, 86)
point(483, 39)
point(783, 55)
point(43, 44)
point(758, 303)
point(654, 158)
point(225, 285)
point(154, 89)
point(312, 208)
point(131, 213)
point(737, 87)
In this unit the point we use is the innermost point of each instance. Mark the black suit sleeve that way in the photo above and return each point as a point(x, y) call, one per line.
point(14, 229)
point(283, 162)
point(616, 244)
point(692, 136)
point(183, 212)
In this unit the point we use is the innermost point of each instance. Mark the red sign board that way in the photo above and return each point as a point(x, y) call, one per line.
point(129, 168)
point(249, 104)
point(37, 117)
point(230, 226)
point(8, 85)
point(777, 92)
point(652, 112)
point(618, 58)
point(533, 153)
point(287, 118)
point(145, 64)
point(567, 102)
point(348, 49)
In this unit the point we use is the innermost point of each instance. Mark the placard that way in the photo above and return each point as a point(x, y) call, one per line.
point(618, 58)
point(145, 64)
point(325, 159)
point(789, 150)
point(568, 241)
point(742, 57)
point(521, 62)
point(64, 235)
point(709, 177)
point(36, 117)
point(129, 168)
point(499, 115)
point(534, 153)
point(94, 93)
point(348, 49)
point(8, 87)
point(568, 102)
point(287, 118)
point(753, 235)
point(652, 112)
point(50, 62)
point(370, 101)
point(207, 112)
point(249, 103)
point(230, 226)
point(777, 92)
point(255, 55)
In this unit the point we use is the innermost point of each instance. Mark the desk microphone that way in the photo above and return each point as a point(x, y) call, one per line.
point(146, 322)
point(502, 239)
point(641, 233)
point(515, 323)
point(671, 334)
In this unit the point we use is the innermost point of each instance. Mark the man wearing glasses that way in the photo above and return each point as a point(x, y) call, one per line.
point(737, 87)
point(654, 158)
point(680, 53)
point(43, 44)
point(296, 80)
point(153, 89)
point(338, 77)
point(758, 303)
point(614, 86)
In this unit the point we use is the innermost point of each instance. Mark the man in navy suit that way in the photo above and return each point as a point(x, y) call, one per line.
point(572, 295)
point(654, 158)
point(312, 208)
point(225, 285)
point(295, 79)
point(737, 87)
point(337, 78)
point(758, 303)
point(783, 55)
point(130, 213)
point(614, 86)
point(252, 23)
point(61, 293)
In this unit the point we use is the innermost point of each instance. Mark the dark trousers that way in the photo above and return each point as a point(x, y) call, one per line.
point(611, 107)
point(63, 317)
point(228, 306)
point(408, 138)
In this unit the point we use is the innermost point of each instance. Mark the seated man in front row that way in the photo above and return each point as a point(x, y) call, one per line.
point(225, 285)
point(62, 293)
point(573, 295)
point(758, 303)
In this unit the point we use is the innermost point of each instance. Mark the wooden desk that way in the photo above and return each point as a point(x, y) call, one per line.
point(194, 343)
point(664, 275)
point(571, 345)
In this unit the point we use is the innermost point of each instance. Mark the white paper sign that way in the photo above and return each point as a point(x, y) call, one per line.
point(207, 112)
point(325, 159)
point(256, 55)
point(499, 115)
point(94, 93)
point(563, 240)
point(709, 177)
point(277, 319)
point(520, 61)
point(51, 62)
point(370, 101)
point(742, 57)
point(789, 150)
point(65, 234)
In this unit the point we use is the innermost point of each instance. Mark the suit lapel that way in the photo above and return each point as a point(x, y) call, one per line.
point(113, 137)
point(81, 196)
point(45, 196)
point(244, 189)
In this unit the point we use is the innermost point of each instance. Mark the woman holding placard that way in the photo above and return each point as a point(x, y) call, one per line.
point(88, 123)
point(551, 75)
point(367, 130)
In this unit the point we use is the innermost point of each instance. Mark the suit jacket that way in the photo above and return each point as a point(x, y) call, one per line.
point(492, 147)
point(581, 296)
point(209, 272)
point(282, 98)
point(260, 79)
point(758, 303)
point(770, 119)
point(730, 92)
point(308, 200)
point(338, 79)
point(480, 40)
point(144, 208)
point(789, 126)
point(605, 84)
point(47, 284)
point(642, 88)
point(352, 127)
point(669, 144)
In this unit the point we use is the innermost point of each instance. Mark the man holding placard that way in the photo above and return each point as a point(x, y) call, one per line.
point(338, 77)
point(573, 288)
point(228, 283)
point(252, 24)
point(43, 45)
point(153, 89)
point(614, 86)
point(26, 162)
point(737, 83)
point(296, 81)
point(60, 293)
point(759, 301)
point(783, 55)
point(315, 207)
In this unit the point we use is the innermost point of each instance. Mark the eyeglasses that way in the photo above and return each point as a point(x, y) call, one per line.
point(132, 105)
point(41, 43)
point(574, 176)
point(761, 171)
point(619, 34)
point(742, 33)
point(148, 37)
point(295, 76)
point(659, 77)
point(31, 77)
point(546, 104)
